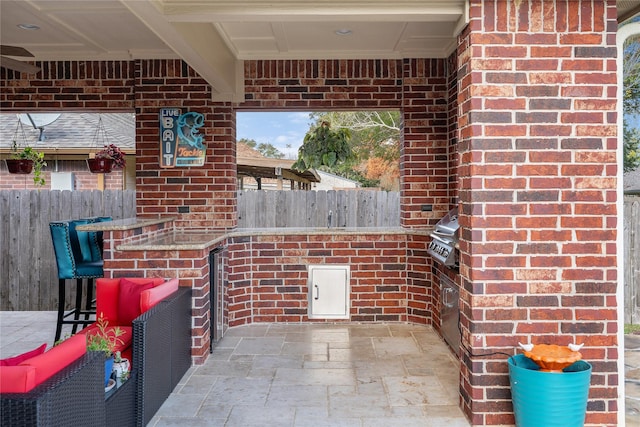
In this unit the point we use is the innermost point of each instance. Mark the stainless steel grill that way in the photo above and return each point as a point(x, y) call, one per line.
point(444, 239)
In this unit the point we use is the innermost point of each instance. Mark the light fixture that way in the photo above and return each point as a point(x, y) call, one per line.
point(344, 32)
point(30, 27)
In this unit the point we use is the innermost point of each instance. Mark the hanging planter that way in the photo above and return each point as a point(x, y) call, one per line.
point(25, 160)
point(19, 166)
point(109, 157)
point(99, 165)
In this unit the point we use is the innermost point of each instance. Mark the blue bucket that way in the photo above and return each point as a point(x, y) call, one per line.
point(550, 399)
point(108, 367)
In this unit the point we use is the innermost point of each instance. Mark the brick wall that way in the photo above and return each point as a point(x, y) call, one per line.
point(419, 88)
point(84, 180)
point(538, 192)
point(267, 279)
point(202, 197)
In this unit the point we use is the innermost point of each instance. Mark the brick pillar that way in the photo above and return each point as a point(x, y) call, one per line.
point(204, 197)
point(537, 129)
point(424, 168)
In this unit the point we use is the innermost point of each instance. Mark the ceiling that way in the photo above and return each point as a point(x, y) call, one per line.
point(215, 36)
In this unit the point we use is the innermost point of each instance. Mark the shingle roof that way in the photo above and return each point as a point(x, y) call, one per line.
point(75, 131)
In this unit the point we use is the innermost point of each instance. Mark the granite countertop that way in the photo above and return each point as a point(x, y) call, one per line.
point(319, 230)
point(178, 240)
point(198, 240)
point(124, 224)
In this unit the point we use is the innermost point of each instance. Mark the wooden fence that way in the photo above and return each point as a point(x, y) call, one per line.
point(632, 260)
point(314, 209)
point(28, 273)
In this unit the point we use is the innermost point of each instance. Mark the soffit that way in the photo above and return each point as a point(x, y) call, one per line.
point(216, 36)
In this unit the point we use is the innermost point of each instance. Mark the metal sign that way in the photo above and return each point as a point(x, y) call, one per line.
point(181, 144)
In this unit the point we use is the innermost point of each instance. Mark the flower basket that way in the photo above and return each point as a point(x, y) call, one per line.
point(24, 159)
point(20, 166)
point(109, 157)
point(99, 165)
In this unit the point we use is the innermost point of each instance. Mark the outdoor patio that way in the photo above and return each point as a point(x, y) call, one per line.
point(299, 375)
point(313, 375)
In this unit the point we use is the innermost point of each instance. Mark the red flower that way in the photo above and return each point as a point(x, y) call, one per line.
point(114, 153)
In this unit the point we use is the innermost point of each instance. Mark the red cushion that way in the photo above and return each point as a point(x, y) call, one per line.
point(16, 360)
point(153, 296)
point(31, 372)
point(129, 300)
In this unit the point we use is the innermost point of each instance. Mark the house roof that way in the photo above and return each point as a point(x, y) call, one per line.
point(70, 133)
point(252, 163)
point(631, 182)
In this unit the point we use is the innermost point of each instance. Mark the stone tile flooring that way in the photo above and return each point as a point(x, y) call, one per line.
point(314, 375)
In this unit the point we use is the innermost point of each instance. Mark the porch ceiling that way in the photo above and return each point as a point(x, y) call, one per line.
point(215, 36)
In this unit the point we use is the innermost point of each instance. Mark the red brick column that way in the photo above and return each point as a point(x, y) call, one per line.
point(538, 193)
point(203, 196)
point(424, 162)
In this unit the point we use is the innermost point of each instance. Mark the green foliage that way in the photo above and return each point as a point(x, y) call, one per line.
point(631, 148)
point(266, 149)
point(631, 102)
point(105, 340)
point(374, 135)
point(323, 146)
point(631, 329)
point(28, 153)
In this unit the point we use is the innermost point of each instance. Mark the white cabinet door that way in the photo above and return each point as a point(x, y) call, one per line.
point(328, 291)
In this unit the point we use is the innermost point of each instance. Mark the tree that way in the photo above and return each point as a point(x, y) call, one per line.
point(266, 149)
point(631, 102)
point(323, 146)
point(375, 142)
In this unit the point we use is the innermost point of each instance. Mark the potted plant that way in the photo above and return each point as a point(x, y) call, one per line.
point(23, 161)
point(121, 368)
point(105, 340)
point(110, 157)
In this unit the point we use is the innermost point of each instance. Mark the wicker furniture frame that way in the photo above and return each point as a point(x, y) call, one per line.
point(161, 352)
point(73, 394)
point(161, 356)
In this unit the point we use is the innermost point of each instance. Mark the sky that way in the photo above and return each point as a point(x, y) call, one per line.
point(276, 128)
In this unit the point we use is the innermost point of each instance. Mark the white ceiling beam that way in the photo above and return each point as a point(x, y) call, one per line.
point(318, 10)
point(200, 46)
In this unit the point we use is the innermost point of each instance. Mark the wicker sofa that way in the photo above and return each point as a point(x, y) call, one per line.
point(161, 356)
point(161, 352)
point(75, 393)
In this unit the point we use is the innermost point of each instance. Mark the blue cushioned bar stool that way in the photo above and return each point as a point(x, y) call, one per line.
point(91, 246)
point(75, 261)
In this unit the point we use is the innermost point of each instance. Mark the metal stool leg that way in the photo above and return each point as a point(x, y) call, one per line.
point(61, 296)
point(78, 309)
point(88, 304)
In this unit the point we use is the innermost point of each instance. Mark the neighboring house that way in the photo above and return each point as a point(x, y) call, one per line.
point(329, 181)
point(67, 139)
point(631, 182)
point(257, 172)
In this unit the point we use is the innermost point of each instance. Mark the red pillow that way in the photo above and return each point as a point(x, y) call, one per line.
point(16, 360)
point(129, 300)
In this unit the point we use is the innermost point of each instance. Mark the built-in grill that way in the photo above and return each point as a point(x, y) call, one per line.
point(444, 239)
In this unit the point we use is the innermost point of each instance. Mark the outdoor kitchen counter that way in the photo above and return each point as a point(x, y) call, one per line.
point(325, 230)
point(193, 239)
point(124, 224)
point(177, 241)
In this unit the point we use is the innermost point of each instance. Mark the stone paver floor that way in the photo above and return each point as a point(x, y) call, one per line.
point(320, 375)
point(313, 375)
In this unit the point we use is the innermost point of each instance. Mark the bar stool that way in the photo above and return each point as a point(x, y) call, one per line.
point(74, 261)
point(91, 246)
